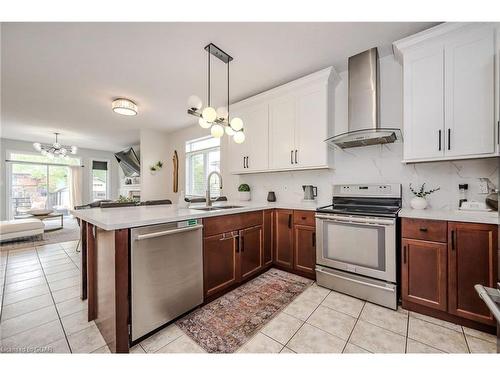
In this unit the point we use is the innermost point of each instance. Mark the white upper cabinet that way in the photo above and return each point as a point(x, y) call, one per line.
point(423, 116)
point(470, 93)
point(282, 122)
point(449, 88)
point(251, 155)
point(285, 128)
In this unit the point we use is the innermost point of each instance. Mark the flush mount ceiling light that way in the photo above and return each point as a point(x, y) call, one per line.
point(124, 107)
point(217, 120)
point(54, 149)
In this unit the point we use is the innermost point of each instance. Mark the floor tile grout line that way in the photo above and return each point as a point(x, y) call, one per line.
point(353, 327)
point(4, 286)
point(55, 307)
point(29, 312)
point(407, 331)
point(304, 321)
point(465, 338)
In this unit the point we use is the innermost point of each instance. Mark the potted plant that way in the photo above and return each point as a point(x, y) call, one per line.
point(244, 191)
point(419, 202)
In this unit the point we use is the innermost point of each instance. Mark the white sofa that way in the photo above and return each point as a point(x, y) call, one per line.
point(12, 229)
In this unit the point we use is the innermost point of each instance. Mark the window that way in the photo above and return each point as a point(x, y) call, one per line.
point(99, 180)
point(37, 182)
point(202, 157)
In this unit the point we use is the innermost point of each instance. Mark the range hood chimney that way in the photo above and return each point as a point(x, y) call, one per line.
point(363, 105)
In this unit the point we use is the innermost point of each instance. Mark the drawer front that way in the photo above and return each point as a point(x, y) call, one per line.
point(304, 218)
point(427, 230)
point(228, 223)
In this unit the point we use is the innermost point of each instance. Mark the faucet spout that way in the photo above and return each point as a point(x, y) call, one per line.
point(207, 196)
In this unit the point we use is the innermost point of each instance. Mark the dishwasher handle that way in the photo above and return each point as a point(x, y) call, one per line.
point(168, 232)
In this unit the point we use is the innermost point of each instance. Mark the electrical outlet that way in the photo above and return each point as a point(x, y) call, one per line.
point(285, 187)
point(483, 186)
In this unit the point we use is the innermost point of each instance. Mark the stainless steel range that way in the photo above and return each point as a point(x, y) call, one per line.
point(356, 247)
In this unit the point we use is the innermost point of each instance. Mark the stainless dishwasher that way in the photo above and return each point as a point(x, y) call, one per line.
point(166, 273)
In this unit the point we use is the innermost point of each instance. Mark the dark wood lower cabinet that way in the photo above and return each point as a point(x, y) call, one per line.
point(268, 229)
point(424, 273)
point(305, 249)
point(438, 278)
point(283, 240)
point(251, 241)
point(220, 262)
point(472, 260)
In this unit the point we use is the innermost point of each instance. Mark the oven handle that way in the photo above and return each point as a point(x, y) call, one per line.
point(360, 220)
point(492, 306)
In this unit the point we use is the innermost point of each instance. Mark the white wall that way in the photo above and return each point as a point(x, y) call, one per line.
point(379, 163)
point(154, 147)
point(85, 155)
point(157, 145)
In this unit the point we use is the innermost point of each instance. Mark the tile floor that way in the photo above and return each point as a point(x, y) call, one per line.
point(41, 310)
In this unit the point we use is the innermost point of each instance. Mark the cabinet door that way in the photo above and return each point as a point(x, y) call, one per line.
point(283, 245)
point(251, 241)
point(255, 148)
point(423, 274)
point(237, 152)
point(470, 93)
point(282, 118)
point(423, 93)
point(305, 249)
point(220, 262)
point(312, 128)
point(472, 259)
point(267, 252)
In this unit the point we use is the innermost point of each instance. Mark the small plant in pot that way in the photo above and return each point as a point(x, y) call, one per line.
point(244, 192)
point(419, 202)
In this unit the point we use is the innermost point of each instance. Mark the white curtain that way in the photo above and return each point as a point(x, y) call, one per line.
point(75, 186)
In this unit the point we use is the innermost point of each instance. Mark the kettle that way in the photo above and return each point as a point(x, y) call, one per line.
point(310, 192)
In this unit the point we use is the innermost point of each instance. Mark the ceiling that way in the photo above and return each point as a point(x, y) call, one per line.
point(63, 76)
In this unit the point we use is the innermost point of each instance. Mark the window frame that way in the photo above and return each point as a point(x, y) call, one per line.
point(189, 155)
point(91, 178)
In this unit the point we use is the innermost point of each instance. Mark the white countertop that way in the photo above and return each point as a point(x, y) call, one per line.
point(138, 216)
point(487, 217)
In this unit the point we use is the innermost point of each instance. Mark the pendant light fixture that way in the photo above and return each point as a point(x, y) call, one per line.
point(217, 120)
point(54, 149)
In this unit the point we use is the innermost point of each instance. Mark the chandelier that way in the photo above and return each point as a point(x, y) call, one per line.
point(217, 120)
point(55, 149)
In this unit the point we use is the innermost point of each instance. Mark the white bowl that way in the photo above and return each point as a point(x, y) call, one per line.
point(40, 212)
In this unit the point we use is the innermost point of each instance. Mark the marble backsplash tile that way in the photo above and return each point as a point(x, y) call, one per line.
point(380, 163)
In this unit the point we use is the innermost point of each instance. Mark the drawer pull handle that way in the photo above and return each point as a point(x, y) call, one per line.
point(404, 254)
point(423, 229)
point(452, 240)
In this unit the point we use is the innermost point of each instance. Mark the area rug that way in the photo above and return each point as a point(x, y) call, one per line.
point(225, 324)
point(70, 232)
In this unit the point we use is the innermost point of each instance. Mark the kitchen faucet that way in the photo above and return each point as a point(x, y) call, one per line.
point(207, 196)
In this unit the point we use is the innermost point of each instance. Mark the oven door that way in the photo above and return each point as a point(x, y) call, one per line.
point(361, 245)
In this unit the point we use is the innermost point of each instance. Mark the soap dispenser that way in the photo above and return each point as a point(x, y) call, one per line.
point(462, 194)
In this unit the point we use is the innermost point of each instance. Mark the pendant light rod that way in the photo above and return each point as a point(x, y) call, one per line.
point(209, 103)
point(228, 90)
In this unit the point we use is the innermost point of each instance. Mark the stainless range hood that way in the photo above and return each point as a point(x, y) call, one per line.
point(363, 105)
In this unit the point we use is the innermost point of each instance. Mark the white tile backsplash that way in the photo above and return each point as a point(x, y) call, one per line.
point(374, 164)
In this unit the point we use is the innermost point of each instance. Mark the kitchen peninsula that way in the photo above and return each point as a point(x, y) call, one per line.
point(242, 237)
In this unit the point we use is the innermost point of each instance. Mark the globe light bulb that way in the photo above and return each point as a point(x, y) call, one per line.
point(209, 114)
point(44, 152)
point(222, 113)
point(229, 131)
point(236, 124)
point(57, 145)
point(194, 103)
point(239, 137)
point(50, 155)
point(37, 146)
point(74, 149)
point(63, 151)
point(203, 123)
point(217, 131)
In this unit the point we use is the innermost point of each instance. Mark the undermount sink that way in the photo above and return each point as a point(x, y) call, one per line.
point(215, 208)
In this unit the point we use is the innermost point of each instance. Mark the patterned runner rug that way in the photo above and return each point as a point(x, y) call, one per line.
point(222, 326)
